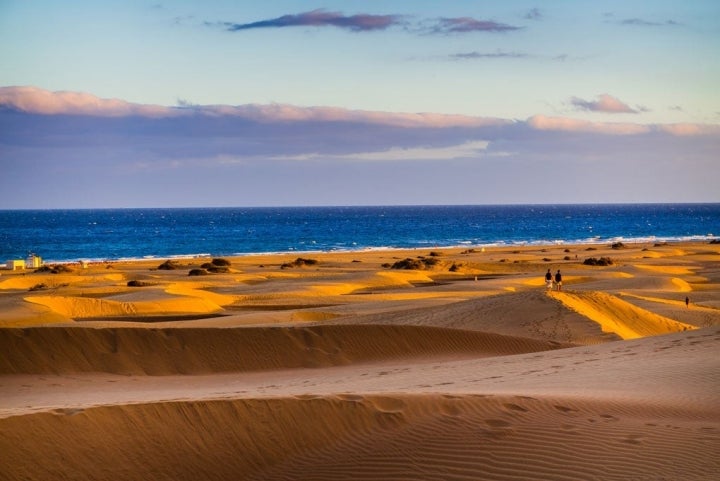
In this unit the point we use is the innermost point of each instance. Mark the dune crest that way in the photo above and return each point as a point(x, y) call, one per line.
point(618, 316)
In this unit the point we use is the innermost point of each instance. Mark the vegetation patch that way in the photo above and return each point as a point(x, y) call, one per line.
point(421, 263)
point(299, 262)
point(221, 262)
point(169, 265)
point(215, 269)
point(618, 245)
point(138, 284)
point(603, 261)
point(198, 272)
point(54, 269)
point(39, 287)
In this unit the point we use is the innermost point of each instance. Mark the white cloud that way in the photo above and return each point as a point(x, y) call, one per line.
point(461, 151)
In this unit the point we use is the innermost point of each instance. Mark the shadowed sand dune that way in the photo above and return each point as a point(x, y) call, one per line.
point(572, 414)
point(62, 350)
point(347, 370)
point(368, 438)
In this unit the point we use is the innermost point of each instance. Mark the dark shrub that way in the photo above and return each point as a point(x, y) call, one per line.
point(138, 284)
point(591, 249)
point(618, 245)
point(416, 264)
point(566, 258)
point(39, 287)
point(454, 268)
point(386, 265)
point(714, 241)
point(567, 250)
point(435, 254)
point(221, 262)
point(603, 261)
point(198, 272)
point(168, 265)
point(409, 264)
point(299, 262)
point(54, 269)
point(207, 265)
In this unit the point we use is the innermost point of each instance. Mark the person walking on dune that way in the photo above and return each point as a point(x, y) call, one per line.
point(558, 280)
point(548, 279)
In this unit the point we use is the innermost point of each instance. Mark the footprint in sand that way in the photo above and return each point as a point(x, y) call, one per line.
point(633, 439)
point(515, 407)
point(388, 404)
point(68, 411)
point(497, 423)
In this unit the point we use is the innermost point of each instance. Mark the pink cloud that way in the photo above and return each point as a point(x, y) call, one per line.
point(604, 103)
point(689, 130)
point(38, 101)
point(34, 100)
point(542, 122)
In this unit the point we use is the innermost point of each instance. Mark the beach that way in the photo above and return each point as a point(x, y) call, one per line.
point(419, 364)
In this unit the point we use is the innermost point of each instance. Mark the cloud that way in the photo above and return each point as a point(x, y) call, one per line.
point(533, 14)
point(647, 23)
point(605, 103)
point(34, 100)
point(542, 122)
point(465, 150)
point(39, 101)
point(323, 18)
point(467, 24)
point(486, 55)
point(92, 152)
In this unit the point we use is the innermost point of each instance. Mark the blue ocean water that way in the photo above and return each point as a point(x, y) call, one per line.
point(112, 234)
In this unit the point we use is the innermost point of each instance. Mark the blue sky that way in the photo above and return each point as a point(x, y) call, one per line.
point(223, 103)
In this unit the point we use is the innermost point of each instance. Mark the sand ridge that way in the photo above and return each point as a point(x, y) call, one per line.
point(348, 370)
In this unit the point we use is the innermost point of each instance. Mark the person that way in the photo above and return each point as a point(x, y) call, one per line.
point(687, 301)
point(558, 280)
point(548, 279)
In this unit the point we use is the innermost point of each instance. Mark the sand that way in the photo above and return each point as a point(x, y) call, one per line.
point(467, 369)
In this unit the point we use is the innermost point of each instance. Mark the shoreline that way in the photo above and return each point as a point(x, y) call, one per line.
point(650, 241)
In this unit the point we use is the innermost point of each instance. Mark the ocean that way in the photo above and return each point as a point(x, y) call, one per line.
point(120, 234)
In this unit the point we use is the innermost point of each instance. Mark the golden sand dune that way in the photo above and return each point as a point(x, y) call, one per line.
point(528, 313)
point(196, 350)
point(53, 280)
point(84, 307)
point(618, 316)
point(642, 409)
point(347, 370)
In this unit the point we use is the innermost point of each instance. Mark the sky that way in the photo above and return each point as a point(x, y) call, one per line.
point(137, 103)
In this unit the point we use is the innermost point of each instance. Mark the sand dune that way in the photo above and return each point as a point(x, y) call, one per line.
point(617, 316)
point(347, 370)
point(369, 438)
point(65, 350)
point(486, 420)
